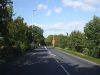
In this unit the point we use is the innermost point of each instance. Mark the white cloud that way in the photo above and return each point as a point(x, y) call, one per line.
point(92, 2)
point(62, 28)
point(57, 9)
point(85, 5)
point(42, 7)
point(49, 12)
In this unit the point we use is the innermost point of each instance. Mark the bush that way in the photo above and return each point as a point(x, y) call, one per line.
point(23, 47)
point(95, 53)
point(6, 53)
point(85, 51)
point(61, 45)
point(78, 48)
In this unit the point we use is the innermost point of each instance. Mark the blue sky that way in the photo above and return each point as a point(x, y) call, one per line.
point(57, 16)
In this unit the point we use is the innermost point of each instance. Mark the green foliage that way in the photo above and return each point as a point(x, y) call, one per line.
point(76, 41)
point(87, 43)
point(86, 51)
point(62, 41)
point(49, 39)
point(16, 37)
point(95, 52)
point(92, 32)
point(37, 35)
point(6, 13)
point(23, 47)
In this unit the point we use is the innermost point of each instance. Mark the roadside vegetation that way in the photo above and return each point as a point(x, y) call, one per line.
point(16, 36)
point(81, 55)
point(87, 43)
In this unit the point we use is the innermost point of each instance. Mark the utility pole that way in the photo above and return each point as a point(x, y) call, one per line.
point(53, 41)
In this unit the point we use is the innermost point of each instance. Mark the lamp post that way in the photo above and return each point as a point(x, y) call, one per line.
point(32, 20)
point(32, 27)
point(33, 12)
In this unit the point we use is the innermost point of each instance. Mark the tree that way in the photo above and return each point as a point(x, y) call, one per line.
point(15, 35)
point(49, 39)
point(38, 37)
point(60, 40)
point(63, 40)
point(6, 13)
point(76, 41)
point(92, 32)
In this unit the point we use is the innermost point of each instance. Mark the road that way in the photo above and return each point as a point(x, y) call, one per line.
point(48, 61)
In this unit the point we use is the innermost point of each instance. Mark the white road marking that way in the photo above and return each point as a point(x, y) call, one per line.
point(57, 61)
point(87, 61)
point(65, 70)
point(50, 53)
point(45, 47)
point(63, 67)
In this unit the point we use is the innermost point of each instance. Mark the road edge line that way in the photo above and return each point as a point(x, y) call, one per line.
point(93, 63)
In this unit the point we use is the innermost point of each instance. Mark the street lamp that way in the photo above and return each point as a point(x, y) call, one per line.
point(32, 25)
point(33, 12)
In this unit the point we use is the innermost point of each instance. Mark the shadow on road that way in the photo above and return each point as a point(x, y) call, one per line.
point(77, 70)
point(39, 62)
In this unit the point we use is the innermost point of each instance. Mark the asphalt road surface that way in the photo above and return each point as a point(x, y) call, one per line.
point(48, 61)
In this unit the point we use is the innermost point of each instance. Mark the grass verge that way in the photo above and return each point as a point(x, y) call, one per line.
point(95, 60)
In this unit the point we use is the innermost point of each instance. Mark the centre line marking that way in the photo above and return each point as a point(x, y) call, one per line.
point(58, 62)
point(63, 67)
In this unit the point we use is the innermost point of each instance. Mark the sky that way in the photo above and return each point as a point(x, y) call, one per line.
point(57, 16)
